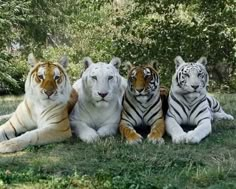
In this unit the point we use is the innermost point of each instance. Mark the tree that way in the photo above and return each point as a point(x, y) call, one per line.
point(161, 30)
point(26, 24)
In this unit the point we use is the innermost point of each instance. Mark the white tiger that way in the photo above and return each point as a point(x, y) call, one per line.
point(97, 113)
point(190, 105)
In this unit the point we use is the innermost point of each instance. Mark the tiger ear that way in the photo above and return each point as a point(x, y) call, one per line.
point(178, 61)
point(64, 61)
point(87, 62)
point(116, 62)
point(202, 61)
point(155, 64)
point(31, 60)
point(128, 66)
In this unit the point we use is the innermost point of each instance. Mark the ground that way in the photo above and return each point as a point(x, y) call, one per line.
point(111, 163)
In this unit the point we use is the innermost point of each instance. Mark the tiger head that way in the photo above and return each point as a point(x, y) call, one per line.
point(102, 82)
point(191, 77)
point(143, 80)
point(47, 81)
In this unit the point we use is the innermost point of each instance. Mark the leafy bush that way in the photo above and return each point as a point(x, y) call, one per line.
point(10, 75)
point(139, 31)
point(161, 30)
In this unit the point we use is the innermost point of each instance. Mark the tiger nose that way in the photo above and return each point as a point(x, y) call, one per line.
point(139, 90)
point(195, 86)
point(102, 94)
point(49, 92)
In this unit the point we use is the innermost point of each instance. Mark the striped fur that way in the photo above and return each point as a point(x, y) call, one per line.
point(42, 117)
point(142, 106)
point(191, 109)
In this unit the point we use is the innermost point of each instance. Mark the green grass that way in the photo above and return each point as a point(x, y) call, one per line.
point(111, 163)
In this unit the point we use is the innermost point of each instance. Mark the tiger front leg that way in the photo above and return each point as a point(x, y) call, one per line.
point(157, 131)
point(7, 132)
point(200, 132)
point(128, 132)
point(17, 124)
point(11, 129)
point(84, 132)
point(222, 115)
point(40, 136)
point(175, 130)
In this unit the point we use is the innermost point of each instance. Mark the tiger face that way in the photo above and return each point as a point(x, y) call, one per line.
point(102, 81)
point(191, 77)
point(143, 80)
point(47, 81)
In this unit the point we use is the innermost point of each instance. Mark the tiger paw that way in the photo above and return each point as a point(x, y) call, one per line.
point(178, 139)
point(89, 136)
point(107, 131)
point(134, 138)
point(229, 117)
point(10, 146)
point(222, 116)
point(192, 138)
point(155, 140)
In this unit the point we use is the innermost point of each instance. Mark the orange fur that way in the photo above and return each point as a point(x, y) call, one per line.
point(157, 130)
point(72, 101)
point(164, 92)
point(129, 133)
point(141, 80)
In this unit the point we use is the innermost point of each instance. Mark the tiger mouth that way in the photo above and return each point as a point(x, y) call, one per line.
point(142, 95)
point(49, 98)
point(102, 100)
point(192, 92)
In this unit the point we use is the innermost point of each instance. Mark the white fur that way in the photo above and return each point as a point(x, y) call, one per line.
point(93, 118)
point(189, 98)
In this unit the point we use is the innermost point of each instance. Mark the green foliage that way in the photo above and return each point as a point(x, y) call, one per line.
point(73, 28)
point(25, 24)
point(11, 14)
point(92, 32)
point(161, 30)
point(7, 80)
point(139, 31)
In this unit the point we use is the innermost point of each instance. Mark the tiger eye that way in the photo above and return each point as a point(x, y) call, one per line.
point(147, 76)
point(40, 77)
point(132, 78)
point(186, 74)
point(200, 75)
point(110, 77)
point(94, 77)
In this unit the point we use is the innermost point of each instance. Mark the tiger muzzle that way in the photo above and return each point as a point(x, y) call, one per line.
point(49, 92)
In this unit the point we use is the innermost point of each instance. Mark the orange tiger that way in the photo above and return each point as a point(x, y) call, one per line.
point(42, 117)
point(142, 106)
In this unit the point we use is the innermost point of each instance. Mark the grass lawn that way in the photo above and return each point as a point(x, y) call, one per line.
point(111, 163)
